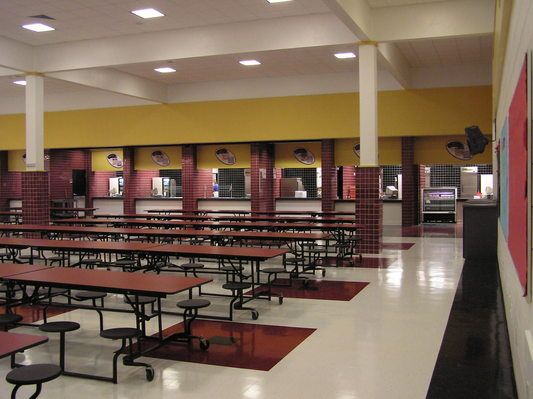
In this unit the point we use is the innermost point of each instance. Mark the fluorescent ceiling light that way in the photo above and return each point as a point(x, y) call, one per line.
point(148, 13)
point(344, 55)
point(38, 27)
point(165, 70)
point(249, 62)
point(20, 82)
point(278, 1)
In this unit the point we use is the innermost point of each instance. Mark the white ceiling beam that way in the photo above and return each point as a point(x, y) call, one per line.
point(433, 20)
point(355, 14)
point(244, 37)
point(9, 72)
point(116, 82)
point(392, 59)
point(16, 55)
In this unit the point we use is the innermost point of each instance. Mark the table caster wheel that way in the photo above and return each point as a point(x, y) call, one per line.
point(150, 374)
point(280, 300)
point(255, 314)
point(324, 273)
point(204, 344)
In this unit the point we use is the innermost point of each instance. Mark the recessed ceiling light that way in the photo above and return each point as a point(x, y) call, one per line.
point(20, 82)
point(165, 70)
point(344, 55)
point(148, 13)
point(249, 62)
point(278, 1)
point(38, 27)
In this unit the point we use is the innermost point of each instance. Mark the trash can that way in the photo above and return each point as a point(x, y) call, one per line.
point(480, 237)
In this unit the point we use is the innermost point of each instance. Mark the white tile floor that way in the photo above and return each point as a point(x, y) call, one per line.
point(382, 344)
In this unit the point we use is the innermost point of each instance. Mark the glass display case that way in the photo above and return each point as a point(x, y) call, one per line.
point(439, 204)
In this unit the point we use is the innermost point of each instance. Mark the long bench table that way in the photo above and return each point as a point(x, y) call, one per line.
point(246, 212)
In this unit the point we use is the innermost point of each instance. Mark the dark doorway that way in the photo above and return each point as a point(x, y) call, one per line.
point(79, 182)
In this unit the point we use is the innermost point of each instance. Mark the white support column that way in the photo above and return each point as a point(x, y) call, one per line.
point(368, 103)
point(34, 123)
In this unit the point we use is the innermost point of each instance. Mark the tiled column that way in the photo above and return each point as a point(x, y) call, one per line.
point(4, 182)
point(262, 177)
point(35, 198)
point(329, 175)
point(409, 183)
point(369, 209)
point(129, 183)
point(188, 175)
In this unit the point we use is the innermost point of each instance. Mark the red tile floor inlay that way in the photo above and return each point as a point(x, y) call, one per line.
point(425, 230)
point(247, 346)
point(34, 313)
point(398, 245)
point(317, 289)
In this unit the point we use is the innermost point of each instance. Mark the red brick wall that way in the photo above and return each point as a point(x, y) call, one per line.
point(262, 177)
point(329, 175)
point(137, 183)
point(410, 181)
point(35, 198)
point(348, 182)
point(188, 175)
point(277, 182)
point(62, 162)
point(369, 209)
point(203, 183)
point(10, 183)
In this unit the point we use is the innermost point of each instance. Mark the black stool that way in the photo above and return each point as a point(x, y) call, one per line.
point(141, 302)
point(272, 273)
point(129, 265)
point(191, 267)
point(90, 263)
point(237, 292)
point(35, 374)
point(190, 307)
point(93, 296)
point(60, 327)
point(128, 334)
point(9, 318)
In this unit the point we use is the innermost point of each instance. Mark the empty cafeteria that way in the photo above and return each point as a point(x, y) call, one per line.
point(265, 199)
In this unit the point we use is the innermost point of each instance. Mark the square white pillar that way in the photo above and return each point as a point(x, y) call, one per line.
point(34, 123)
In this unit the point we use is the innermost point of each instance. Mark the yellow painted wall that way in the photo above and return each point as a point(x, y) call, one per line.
point(432, 150)
point(15, 161)
point(389, 151)
point(401, 113)
point(208, 160)
point(285, 154)
point(100, 162)
point(144, 161)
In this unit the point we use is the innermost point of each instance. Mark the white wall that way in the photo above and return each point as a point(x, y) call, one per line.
point(519, 310)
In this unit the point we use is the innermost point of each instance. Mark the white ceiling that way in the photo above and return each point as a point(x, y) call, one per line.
point(90, 19)
point(446, 52)
point(299, 61)
point(392, 3)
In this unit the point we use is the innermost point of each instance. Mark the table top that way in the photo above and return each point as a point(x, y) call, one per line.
point(219, 251)
point(181, 223)
point(9, 269)
point(11, 343)
point(165, 233)
point(110, 281)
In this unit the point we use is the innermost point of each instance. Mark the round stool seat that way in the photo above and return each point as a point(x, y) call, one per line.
point(33, 374)
point(235, 286)
point(10, 318)
point(124, 262)
point(142, 300)
point(271, 270)
point(193, 304)
point(294, 260)
point(191, 266)
point(57, 257)
point(90, 262)
point(232, 268)
point(86, 295)
point(59, 326)
point(120, 332)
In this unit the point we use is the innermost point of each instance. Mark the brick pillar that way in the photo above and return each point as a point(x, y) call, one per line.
point(329, 175)
point(35, 198)
point(410, 182)
point(262, 177)
point(369, 209)
point(129, 180)
point(188, 177)
point(4, 183)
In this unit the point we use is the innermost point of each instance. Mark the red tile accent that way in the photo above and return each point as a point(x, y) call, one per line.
point(410, 182)
point(318, 289)
point(369, 209)
point(35, 198)
point(366, 262)
point(137, 183)
point(398, 245)
point(250, 346)
point(262, 177)
point(329, 175)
